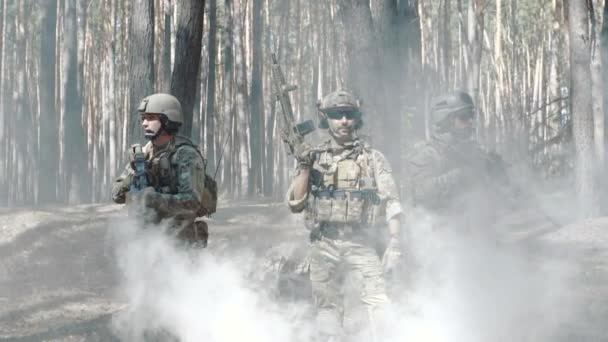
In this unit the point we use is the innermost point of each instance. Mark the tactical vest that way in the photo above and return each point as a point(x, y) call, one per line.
point(161, 171)
point(343, 188)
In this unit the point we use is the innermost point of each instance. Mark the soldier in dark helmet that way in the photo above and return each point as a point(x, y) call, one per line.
point(347, 192)
point(452, 165)
point(176, 186)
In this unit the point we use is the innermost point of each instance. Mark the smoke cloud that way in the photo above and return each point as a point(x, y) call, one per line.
point(192, 294)
point(461, 287)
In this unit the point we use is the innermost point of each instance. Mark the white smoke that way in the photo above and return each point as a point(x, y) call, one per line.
point(192, 294)
point(471, 286)
point(462, 287)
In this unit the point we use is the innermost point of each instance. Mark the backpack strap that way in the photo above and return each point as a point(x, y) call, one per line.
point(183, 141)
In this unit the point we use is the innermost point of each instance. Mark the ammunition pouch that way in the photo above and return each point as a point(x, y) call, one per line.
point(344, 206)
point(209, 197)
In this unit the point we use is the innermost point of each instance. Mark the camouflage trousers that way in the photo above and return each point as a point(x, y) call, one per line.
point(332, 261)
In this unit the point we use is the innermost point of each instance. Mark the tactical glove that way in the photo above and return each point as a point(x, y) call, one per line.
point(392, 255)
point(303, 154)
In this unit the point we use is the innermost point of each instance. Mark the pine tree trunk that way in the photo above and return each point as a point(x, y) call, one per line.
point(211, 78)
point(74, 145)
point(22, 113)
point(166, 48)
point(226, 145)
point(188, 36)
point(582, 114)
point(362, 64)
point(241, 96)
point(3, 117)
point(48, 147)
point(256, 140)
point(141, 63)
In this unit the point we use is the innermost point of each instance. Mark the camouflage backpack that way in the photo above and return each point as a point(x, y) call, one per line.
point(207, 186)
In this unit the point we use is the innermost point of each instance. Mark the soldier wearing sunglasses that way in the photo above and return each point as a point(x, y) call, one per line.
point(347, 193)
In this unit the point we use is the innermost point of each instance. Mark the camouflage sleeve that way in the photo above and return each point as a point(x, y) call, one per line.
point(387, 188)
point(121, 185)
point(428, 180)
point(296, 205)
point(190, 169)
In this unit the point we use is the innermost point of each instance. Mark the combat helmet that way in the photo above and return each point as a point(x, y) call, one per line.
point(338, 101)
point(167, 106)
point(445, 108)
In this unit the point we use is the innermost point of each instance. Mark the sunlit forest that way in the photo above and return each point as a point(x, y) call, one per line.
point(74, 71)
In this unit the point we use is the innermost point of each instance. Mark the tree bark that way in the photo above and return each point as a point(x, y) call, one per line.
point(48, 147)
point(241, 97)
point(141, 62)
point(3, 117)
point(604, 59)
point(597, 90)
point(582, 114)
point(211, 108)
point(256, 140)
point(188, 36)
point(362, 70)
point(226, 144)
point(74, 144)
point(166, 49)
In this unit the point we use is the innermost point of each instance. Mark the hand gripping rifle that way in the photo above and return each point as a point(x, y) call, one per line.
point(292, 133)
point(139, 168)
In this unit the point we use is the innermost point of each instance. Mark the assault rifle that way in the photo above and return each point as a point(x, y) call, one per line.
point(292, 133)
point(140, 181)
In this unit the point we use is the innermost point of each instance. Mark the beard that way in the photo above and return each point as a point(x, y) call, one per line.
point(151, 134)
point(341, 132)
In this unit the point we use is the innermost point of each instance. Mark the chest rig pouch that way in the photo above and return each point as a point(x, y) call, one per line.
point(342, 190)
point(161, 174)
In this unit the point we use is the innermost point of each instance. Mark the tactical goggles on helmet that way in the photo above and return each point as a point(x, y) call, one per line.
point(348, 114)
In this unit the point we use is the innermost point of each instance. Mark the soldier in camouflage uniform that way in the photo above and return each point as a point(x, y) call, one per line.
point(174, 169)
point(347, 191)
point(450, 174)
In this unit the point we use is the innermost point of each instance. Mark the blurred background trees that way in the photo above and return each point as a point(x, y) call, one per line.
point(73, 71)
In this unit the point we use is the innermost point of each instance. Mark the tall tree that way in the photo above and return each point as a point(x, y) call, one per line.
point(141, 62)
point(582, 114)
point(211, 108)
point(256, 136)
point(604, 57)
point(22, 112)
point(188, 40)
point(74, 144)
point(475, 27)
point(226, 145)
point(597, 82)
point(3, 117)
point(362, 67)
point(48, 148)
point(165, 62)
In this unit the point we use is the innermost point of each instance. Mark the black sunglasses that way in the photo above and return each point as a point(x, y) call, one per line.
point(348, 114)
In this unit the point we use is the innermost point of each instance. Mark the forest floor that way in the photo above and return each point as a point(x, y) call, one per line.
point(60, 277)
